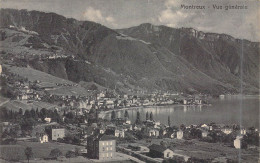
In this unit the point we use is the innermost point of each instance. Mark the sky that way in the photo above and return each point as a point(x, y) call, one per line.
point(116, 14)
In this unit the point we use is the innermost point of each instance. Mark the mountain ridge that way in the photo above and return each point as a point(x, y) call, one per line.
point(192, 30)
point(213, 47)
point(126, 59)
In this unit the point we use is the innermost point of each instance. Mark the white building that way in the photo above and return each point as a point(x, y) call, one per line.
point(153, 132)
point(44, 138)
point(180, 134)
point(157, 124)
point(210, 128)
point(204, 134)
point(102, 131)
point(205, 126)
point(221, 96)
point(120, 133)
point(128, 122)
point(237, 142)
point(243, 131)
point(226, 130)
point(47, 120)
point(57, 133)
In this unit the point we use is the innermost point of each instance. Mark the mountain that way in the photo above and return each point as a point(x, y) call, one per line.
point(217, 55)
point(145, 57)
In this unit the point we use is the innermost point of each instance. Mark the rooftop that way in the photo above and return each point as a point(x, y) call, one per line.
point(106, 137)
point(158, 148)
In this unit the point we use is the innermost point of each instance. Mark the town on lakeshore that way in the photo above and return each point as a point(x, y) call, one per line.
point(129, 81)
point(41, 122)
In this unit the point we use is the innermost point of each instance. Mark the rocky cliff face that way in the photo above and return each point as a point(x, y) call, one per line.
point(147, 57)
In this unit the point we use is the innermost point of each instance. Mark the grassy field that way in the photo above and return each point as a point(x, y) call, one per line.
point(33, 75)
point(70, 90)
point(16, 152)
point(16, 104)
point(204, 150)
point(79, 159)
point(41, 151)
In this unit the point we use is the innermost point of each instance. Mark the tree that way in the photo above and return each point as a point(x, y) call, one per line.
point(21, 111)
point(70, 154)
point(27, 114)
point(116, 102)
point(28, 153)
point(113, 115)
point(93, 87)
point(56, 116)
point(70, 115)
point(33, 113)
point(55, 153)
point(26, 124)
point(151, 116)
point(163, 143)
point(126, 115)
point(138, 119)
point(147, 115)
point(4, 115)
point(13, 133)
point(43, 113)
point(77, 151)
point(182, 127)
point(37, 113)
point(92, 110)
point(125, 103)
point(169, 121)
point(11, 115)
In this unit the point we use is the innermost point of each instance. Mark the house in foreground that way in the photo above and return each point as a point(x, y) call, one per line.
point(160, 151)
point(101, 146)
point(151, 132)
point(57, 133)
point(117, 132)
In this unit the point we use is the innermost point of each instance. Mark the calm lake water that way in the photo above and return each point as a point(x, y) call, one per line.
point(232, 109)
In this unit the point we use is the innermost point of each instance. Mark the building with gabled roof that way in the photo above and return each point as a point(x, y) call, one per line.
point(160, 151)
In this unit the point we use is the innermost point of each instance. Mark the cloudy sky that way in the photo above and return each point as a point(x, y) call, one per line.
point(243, 23)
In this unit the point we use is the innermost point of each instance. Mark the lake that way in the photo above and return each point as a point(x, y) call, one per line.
point(232, 109)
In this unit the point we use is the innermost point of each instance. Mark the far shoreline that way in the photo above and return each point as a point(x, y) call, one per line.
point(103, 113)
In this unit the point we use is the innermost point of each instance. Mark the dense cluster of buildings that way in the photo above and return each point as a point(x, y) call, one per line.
point(101, 136)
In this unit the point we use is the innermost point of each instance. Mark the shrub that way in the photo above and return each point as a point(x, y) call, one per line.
point(55, 153)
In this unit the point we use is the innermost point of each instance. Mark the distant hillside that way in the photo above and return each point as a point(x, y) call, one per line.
point(145, 57)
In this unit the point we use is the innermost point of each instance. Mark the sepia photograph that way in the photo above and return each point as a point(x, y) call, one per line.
point(129, 81)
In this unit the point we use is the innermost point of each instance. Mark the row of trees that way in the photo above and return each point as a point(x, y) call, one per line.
point(138, 117)
point(113, 115)
point(14, 116)
point(10, 115)
point(149, 117)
